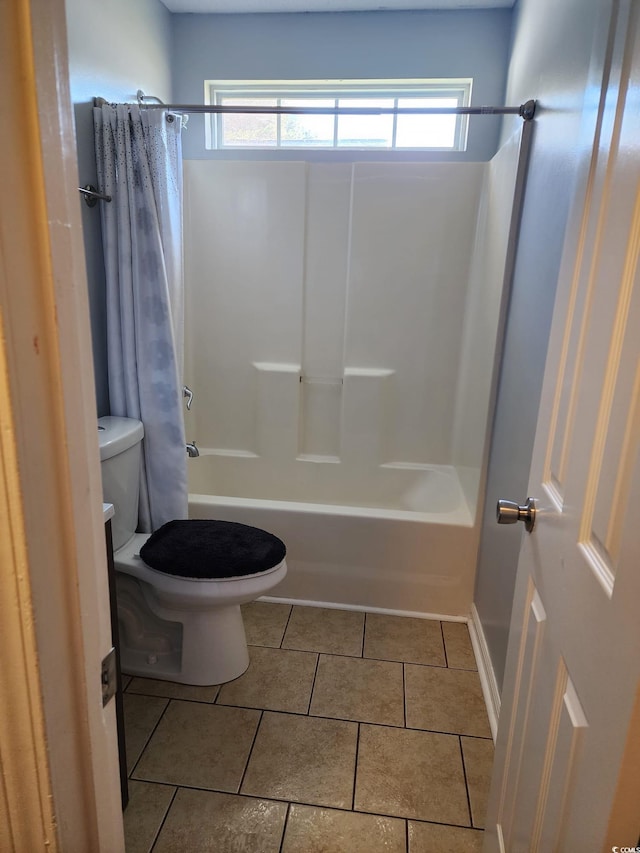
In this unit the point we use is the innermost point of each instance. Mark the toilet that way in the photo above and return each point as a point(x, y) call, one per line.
point(179, 608)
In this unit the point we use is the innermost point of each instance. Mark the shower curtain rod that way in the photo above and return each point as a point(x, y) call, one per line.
point(526, 111)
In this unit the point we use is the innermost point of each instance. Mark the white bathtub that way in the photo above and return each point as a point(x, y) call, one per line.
point(391, 558)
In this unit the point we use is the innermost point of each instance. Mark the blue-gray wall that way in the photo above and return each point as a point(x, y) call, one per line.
point(357, 45)
point(552, 48)
point(115, 48)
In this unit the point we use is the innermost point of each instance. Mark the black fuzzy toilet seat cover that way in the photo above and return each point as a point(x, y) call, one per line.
point(207, 549)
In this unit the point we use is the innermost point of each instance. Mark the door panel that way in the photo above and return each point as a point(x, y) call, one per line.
point(535, 620)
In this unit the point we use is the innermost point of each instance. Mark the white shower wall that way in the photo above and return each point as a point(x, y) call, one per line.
point(340, 318)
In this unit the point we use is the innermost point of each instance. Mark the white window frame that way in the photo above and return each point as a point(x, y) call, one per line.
point(216, 90)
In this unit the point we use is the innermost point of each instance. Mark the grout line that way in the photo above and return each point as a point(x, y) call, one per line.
point(404, 697)
point(253, 743)
point(284, 827)
point(321, 652)
point(313, 686)
point(156, 837)
point(406, 835)
point(476, 737)
point(444, 646)
point(270, 799)
point(284, 633)
point(463, 669)
point(355, 770)
point(157, 782)
point(364, 633)
point(362, 657)
point(151, 734)
point(411, 662)
point(307, 651)
point(179, 698)
point(466, 784)
point(437, 823)
point(318, 717)
point(345, 720)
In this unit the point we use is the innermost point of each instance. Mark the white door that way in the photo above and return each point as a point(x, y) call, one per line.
point(566, 774)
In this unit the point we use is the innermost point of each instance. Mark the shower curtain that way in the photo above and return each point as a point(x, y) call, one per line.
point(138, 155)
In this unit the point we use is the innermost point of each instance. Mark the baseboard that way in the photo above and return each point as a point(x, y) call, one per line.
point(485, 671)
point(385, 611)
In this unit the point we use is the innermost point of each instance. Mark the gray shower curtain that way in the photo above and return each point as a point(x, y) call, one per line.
point(138, 155)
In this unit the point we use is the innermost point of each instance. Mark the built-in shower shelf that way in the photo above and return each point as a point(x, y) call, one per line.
point(368, 372)
point(227, 451)
point(321, 380)
point(277, 367)
point(318, 458)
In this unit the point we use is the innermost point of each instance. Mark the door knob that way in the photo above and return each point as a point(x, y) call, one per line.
point(508, 512)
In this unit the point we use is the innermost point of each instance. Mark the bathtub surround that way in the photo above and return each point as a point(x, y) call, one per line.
point(342, 349)
point(328, 328)
point(139, 161)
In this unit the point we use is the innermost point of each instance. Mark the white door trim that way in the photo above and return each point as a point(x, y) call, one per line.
point(50, 463)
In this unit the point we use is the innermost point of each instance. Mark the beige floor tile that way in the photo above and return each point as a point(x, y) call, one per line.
point(148, 804)
point(141, 713)
point(410, 774)
point(303, 759)
point(203, 746)
point(458, 645)
point(172, 690)
point(369, 691)
point(403, 638)
point(264, 622)
point(277, 680)
point(434, 838)
point(221, 823)
point(478, 764)
point(445, 700)
point(320, 629)
point(314, 830)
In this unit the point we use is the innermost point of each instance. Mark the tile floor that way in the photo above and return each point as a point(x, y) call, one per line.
point(349, 733)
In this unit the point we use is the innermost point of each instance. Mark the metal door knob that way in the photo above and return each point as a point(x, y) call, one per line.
point(508, 512)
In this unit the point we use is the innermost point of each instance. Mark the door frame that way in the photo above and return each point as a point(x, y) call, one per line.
point(58, 745)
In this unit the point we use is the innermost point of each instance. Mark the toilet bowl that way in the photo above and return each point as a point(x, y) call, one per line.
point(172, 626)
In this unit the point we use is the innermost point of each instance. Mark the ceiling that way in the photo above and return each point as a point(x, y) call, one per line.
point(253, 6)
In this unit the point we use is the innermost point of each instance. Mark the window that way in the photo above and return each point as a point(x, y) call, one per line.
point(383, 131)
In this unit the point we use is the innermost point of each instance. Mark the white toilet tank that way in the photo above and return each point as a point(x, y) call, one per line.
point(120, 447)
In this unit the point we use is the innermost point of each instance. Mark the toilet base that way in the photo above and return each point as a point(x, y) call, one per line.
point(214, 645)
point(189, 647)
